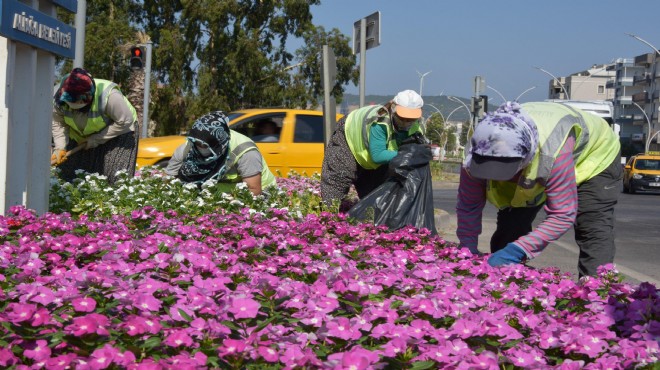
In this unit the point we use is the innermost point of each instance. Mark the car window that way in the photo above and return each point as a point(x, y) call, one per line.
point(309, 129)
point(647, 164)
point(252, 126)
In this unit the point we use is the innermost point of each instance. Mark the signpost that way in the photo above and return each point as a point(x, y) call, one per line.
point(328, 82)
point(30, 38)
point(366, 35)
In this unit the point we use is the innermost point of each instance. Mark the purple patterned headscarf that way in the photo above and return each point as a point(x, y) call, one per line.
point(507, 133)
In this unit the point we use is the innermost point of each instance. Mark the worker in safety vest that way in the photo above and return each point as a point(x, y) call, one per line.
point(541, 154)
point(364, 142)
point(94, 127)
point(214, 152)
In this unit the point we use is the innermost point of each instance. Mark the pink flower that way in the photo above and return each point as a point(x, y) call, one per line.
point(178, 338)
point(60, 362)
point(146, 302)
point(43, 295)
point(341, 328)
point(7, 357)
point(84, 304)
point(39, 352)
point(244, 308)
point(268, 354)
point(135, 325)
point(91, 324)
point(20, 312)
point(231, 347)
point(102, 357)
point(40, 317)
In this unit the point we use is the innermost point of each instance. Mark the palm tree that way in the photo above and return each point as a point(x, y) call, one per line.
point(135, 88)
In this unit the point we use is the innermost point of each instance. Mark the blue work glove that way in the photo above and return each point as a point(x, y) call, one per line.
point(507, 255)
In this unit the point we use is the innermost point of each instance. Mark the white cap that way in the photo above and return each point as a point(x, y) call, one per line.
point(408, 104)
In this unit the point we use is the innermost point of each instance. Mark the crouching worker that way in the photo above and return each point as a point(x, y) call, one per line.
point(214, 152)
point(541, 154)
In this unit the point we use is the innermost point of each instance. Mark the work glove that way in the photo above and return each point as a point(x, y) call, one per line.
point(58, 157)
point(508, 255)
point(92, 141)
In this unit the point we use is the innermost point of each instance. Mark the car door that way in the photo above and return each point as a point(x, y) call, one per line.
point(305, 153)
point(271, 151)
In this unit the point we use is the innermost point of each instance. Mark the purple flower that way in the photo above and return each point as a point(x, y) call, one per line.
point(244, 308)
point(146, 302)
point(268, 354)
point(178, 338)
point(231, 347)
point(84, 304)
point(341, 328)
point(39, 351)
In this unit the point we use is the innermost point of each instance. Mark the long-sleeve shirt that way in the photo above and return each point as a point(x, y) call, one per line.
point(378, 144)
point(116, 108)
point(560, 206)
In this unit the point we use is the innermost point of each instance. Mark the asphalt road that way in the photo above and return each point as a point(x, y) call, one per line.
point(637, 235)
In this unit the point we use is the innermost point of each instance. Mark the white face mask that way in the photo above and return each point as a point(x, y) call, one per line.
point(75, 105)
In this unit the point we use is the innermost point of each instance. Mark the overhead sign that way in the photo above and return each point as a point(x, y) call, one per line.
point(372, 34)
point(22, 23)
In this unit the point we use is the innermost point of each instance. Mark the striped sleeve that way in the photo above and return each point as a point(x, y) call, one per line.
point(469, 208)
point(560, 206)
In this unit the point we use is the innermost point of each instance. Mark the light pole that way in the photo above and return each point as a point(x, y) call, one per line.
point(648, 122)
point(556, 80)
point(437, 110)
point(523, 93)
point(498, 93)
point(421, 80)
point(456, 100)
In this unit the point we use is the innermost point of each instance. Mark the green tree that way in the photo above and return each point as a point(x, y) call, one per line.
point(435, 128)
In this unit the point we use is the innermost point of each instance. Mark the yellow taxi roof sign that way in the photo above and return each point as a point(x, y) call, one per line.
point(653, 153)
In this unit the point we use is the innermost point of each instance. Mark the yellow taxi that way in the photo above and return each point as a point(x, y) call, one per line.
point(295, 142)
point(642, 173)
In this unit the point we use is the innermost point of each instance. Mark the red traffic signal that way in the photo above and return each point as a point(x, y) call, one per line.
point(137, 57)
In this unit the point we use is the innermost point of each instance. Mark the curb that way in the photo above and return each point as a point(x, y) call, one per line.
point(442, 218)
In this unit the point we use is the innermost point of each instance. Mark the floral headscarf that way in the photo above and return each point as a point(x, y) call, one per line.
point(76, 86)
point(211, 129)
point(508, 133)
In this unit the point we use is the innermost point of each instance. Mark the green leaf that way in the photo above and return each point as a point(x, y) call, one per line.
point(151, 343)
point(423, 365)
point(185, 315)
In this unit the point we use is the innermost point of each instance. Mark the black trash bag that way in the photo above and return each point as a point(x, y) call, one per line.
point(406, 198)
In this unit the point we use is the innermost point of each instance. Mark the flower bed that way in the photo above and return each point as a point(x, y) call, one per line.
point(269, 287)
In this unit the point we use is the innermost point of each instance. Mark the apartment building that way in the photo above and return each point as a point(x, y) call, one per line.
point(590, 84)
point(636, 101)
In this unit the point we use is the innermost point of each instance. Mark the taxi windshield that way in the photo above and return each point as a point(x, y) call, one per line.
point(647, 164)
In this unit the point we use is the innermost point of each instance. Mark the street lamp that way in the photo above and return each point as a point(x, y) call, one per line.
point(498, 93)
point(648, 122)
point(421, 81)
point(556, 80)
point(437, 110)
point(523, 93)
point(456, 100)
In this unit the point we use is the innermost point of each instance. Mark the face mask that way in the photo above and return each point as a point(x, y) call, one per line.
point(205, 152)
point(402, 124)
point(75, 105)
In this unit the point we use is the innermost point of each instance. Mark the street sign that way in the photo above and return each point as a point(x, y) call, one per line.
point(372, 34)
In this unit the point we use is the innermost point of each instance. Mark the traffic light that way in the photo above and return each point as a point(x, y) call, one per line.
point(137, 57)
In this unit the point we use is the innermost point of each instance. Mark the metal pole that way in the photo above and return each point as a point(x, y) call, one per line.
point(363, 57)
point(556, 80)
point(648, 122)
point(81, 15)
point(498, 93)
point(147, 86)
point(421, 81)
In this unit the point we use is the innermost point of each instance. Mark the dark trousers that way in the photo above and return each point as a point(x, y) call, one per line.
point(594, 224)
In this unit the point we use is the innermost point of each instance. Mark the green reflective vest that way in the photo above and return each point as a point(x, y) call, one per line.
point(96, 118)
point(240, 144)
point(358, 127)
point(596, 146)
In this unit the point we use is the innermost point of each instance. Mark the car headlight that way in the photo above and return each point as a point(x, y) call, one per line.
point(637, 176)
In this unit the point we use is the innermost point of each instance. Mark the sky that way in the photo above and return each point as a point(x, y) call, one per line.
point(501, 41)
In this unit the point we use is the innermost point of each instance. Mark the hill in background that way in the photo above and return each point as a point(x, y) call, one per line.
point(441, 103)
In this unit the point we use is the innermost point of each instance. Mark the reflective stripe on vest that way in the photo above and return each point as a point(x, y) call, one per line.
point(357, 130)
point(96, 118)
point(596, 146)
point(240, 144)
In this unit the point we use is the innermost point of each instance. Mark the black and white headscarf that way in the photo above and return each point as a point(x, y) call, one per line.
point(211, 129)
